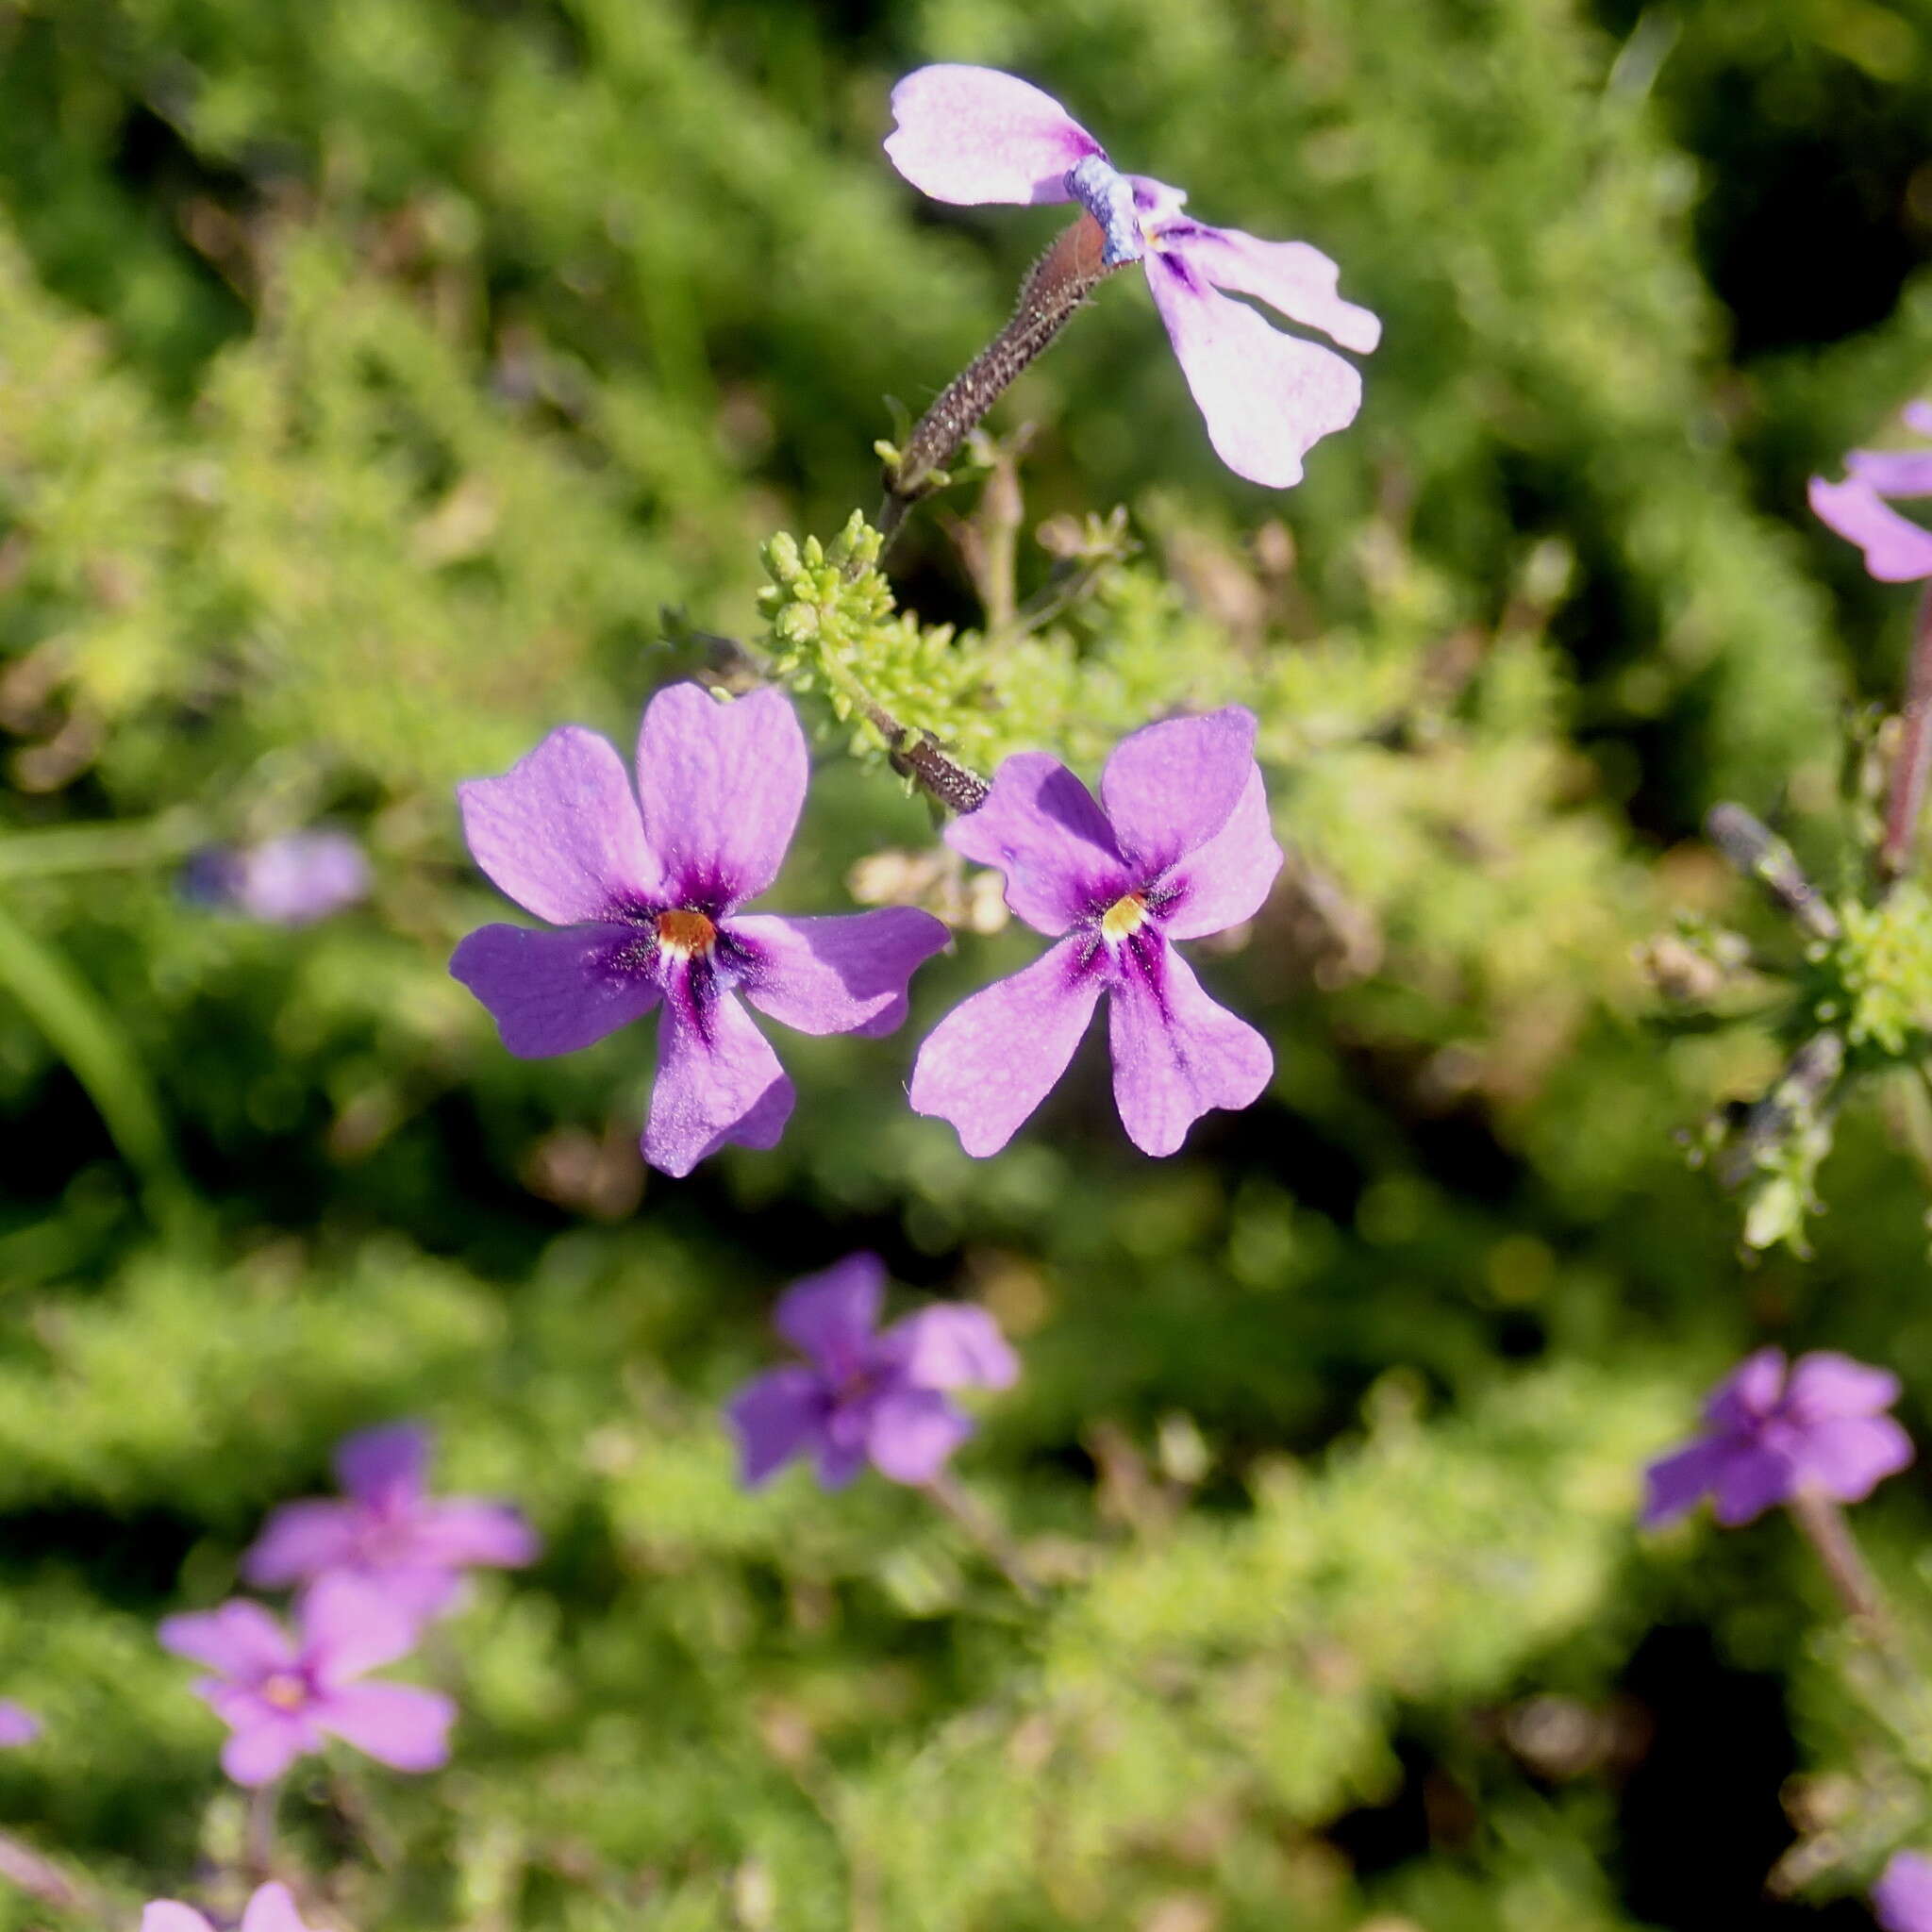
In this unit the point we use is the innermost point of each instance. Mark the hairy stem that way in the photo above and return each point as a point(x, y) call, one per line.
point(1760, 853)
point(1801, 1092)
point(977, 1522)
point(1906, 795)
point(259, 1847)
point(1822, 1524)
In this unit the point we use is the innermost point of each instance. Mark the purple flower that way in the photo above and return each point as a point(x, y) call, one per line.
point(1902, 1896)
point(1897, 551)
point(17, 1724)
point(271, 1909)
point(972, 134)
point(1179, 847)
point(279, 1695)
point(408, 1546)
point(648, 902)
point(293, 880)
point(1768, 1434)
point(866, 1395)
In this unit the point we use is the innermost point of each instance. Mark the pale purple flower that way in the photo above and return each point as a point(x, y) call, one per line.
point(271, 1908)
point(17, 1724)
point(1897, 551)
point(279, 1695)
point(1178, 847)
point(1770, 1433)
point(411, 1546)
point(293, 880)
point(1902, 1896)
point(971, 135)
point(866, 1394)
point(648, 902)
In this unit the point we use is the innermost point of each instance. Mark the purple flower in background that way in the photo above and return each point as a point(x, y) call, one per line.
point(411, 1546)
point(17, 1724)
point(1902, 1896)
point(971, 135)
point(648, 901)
point(1179, 847)
point(1768, 1434)
point(270, 1909)
point(1897, 551)
point(293, 880)
point(868, 1394)
point(279, 1695)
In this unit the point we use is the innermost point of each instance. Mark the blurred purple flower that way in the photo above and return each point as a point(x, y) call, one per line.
point(1897, 551)
point(648, 902)
point(1902, 1896)
point(407, 1544)
point(293, 881)
point(17, 1724)
point(971, 135)
point(1180, 846)
point(279, 1695)
point(867, 1395)
point(1768, 1434)
point(271, 1909)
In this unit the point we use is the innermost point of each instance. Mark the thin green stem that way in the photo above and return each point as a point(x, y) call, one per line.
point(978, 1522)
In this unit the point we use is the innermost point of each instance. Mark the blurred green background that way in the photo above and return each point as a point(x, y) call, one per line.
point(371, 373)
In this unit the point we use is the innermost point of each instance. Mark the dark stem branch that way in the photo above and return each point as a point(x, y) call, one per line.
point(1801, 1092)
point(1760, 853)
point(1905, 797)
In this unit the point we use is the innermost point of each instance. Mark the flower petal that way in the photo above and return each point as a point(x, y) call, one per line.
point(1226, 880)
point(717, 1081)
point(1902, 1899)
point(300, 1541)
point(721, 786)
point(261, 1753)
point(398, 1724)
point(1676, 1483)
point(951, 1345)
point(271, 1909)
point(973, 133)
point(1850, 1456)
point(1168, 787)
point(1740, 1404)
point(171, 1915)
point(1292, 277)
point(912, 1432)
point(1826, 1385)
point(1268, 398)
point(239, 1640)
point(552, 993)
point(995, 1056)
point(1892, 472)
point(460, 1530)
point(17, 1724)
point(1897, 551)
point(1040, 826)
point(831, 1316)
point(775, 1417)
point(1176, 1052)
point(385, 1467)
point(559, 831)
point(349, 1626)
point(842, 972)
point(1750, 1480)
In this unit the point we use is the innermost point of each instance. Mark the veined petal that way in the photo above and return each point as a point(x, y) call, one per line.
point(301, 1540)
point(397, 1725)
point(995, 1056)
point(1268, 398)
point(261, 1753)
point(385, 1467)
point(841, 972)
point(1297, 279)
point(1897, 551)
point(1674, 1484)
point(454, 1532)
point(1850, 1455)
point(1168, 787)
point(1750, 1480)
point(1040, 826)
point(1226, 880)
point(775, 1417)
point(721, 786)
point(912, 1432)
point(973, 133)
point(717, 1081)
point(560, 831)
point(552, 993)
point(272, 1909)
point(1748, 1394)
point(349, 1625)
point(1825, 1385)
point(831, 1316)
point(240, 1639)
point(1176, 1052)
point(951, 1345)
point(1892, 472)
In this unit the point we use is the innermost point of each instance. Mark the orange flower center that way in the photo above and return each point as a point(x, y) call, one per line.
point(684, 933)
point(1125, 916)
point(285, 1691)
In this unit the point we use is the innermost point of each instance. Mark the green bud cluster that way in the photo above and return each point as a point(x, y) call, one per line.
point(1873, 983)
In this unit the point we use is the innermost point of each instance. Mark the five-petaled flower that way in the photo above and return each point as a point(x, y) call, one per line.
point(1770, 1434)
point(271, 1908)
point(279, 1695)
point(1179, 847)
point(291, 880)
point(411, 1546)
point(868, 1394)
point(648, 900)
point(972, 134)
point(1902, 1896)
point(1897, 551)
point(17, 1724)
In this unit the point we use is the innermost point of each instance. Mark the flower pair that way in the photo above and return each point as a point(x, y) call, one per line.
point(647, 892)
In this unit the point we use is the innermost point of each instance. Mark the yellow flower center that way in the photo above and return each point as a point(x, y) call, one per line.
point(285, 1691)
point(1125, 916)
point(684, 933)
